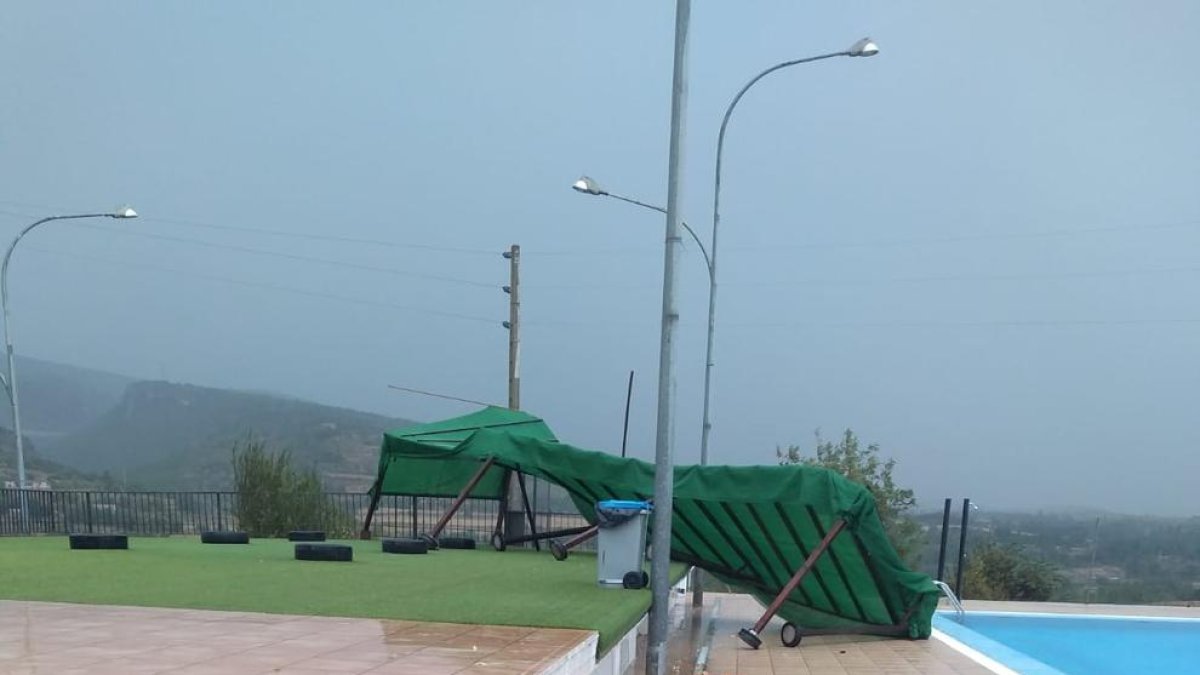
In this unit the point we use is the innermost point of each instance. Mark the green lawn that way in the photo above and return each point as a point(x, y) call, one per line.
point(520, 588)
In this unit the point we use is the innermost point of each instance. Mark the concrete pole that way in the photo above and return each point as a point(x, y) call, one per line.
point(664, 470)
point(514, 514)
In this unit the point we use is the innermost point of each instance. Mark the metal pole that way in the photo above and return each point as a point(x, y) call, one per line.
point(664, 470)
point(941, 571)
point(628, 400)
point(962, 552)
point(10, 382)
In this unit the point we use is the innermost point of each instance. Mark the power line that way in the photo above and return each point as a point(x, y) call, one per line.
point(278, 233)
point(804, 283)
point(324, 237)
point(891, 324)
point(911, 241)
point(266, 286)
point(290, 256)
point(441, 395)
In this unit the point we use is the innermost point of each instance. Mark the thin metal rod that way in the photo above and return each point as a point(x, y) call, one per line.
point(941, 569)
point(664, 467)
point(962, 552)
point(628, 400)
point(462, 497)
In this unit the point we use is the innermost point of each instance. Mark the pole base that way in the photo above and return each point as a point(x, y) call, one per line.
point(748, 636)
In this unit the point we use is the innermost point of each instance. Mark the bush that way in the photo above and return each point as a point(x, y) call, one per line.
point(1005, 572)
point(275, 498)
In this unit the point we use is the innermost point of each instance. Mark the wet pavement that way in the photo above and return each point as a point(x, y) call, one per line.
point(706, 643)
point(66, 639)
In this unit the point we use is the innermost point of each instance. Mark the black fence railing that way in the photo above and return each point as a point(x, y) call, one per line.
point(187, 513)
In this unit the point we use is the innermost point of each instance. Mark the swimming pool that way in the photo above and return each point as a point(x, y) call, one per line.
point(1076, 644)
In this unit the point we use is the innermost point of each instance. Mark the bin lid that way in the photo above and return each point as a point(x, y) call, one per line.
point(624, 504)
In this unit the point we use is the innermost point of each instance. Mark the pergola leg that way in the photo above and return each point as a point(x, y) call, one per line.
point(750, 635)
point(537, 545)
point(560, 551)
point(460, 499)
point(366, 528)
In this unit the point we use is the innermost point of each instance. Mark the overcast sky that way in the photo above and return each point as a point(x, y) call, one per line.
point(979, 249)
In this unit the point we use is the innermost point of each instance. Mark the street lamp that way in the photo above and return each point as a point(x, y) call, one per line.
point(589, 186)
point(10, 382)
point(862, 48)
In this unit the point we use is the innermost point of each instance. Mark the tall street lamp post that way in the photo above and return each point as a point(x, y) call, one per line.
point(10, 382)
point(862, 48)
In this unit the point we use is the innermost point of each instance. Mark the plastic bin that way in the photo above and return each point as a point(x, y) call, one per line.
point(621, 545)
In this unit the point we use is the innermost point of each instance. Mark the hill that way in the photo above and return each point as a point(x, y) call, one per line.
point(162, 435)
point(39, 469)
point(57, 399)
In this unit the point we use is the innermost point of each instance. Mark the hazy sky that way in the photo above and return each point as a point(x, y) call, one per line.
point(980, 249)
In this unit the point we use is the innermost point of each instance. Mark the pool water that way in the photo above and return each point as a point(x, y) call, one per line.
point(1075, 644)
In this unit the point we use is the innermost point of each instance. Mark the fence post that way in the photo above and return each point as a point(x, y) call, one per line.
point(413, 510)
point(89, 511)
point(220, 516)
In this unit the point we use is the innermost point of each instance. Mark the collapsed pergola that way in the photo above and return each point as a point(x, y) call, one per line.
point(804, 540)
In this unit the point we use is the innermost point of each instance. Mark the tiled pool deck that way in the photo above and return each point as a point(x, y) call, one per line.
point(823, 655)
point(66, 639)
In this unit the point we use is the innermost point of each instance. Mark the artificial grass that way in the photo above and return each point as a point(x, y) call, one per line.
point(516, 588)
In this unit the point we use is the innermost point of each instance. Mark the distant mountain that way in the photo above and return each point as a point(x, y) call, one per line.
point(38, 469)
point(178, 436)
point(58, 399)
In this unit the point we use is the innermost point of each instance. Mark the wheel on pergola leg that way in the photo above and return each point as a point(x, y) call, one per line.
point(790, 635)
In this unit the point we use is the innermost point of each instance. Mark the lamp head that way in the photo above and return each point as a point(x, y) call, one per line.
point(124, 212)
point(587, 186)
point(864, 47)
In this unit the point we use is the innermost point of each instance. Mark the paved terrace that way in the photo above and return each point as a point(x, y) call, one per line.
point(67, 639)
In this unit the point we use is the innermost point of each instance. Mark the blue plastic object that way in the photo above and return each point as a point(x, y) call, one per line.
point(624, 504)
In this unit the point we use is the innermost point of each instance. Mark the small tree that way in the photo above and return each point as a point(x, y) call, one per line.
point(1005, 572)
point(864, 466)
point(275, 498)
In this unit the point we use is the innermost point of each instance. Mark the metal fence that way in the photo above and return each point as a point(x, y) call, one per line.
point(190, 513)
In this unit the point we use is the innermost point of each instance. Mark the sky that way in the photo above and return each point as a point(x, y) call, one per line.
point(979, 249)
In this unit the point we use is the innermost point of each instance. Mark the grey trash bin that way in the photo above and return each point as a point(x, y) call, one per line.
point(621, 547)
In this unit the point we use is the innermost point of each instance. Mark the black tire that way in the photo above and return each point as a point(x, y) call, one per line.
point(459, 543)
point(498, 542)
point(559, 551)
point(405, 545)
point(306, 535)
point(94, 542)
point(750, 638)
point(634, 580)
point(790, 635)
point(429, 541)
point(224, 537)
point(326, 552)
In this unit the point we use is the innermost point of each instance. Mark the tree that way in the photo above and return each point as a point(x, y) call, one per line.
point(1005, 572)
point(863, 466)
point(275, 498)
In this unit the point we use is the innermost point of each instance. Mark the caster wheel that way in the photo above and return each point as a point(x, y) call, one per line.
point(790, 635)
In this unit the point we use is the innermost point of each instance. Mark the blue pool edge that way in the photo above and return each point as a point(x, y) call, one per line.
point(994, 656)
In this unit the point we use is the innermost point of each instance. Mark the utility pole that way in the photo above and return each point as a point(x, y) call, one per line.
point(514, 515)
point(514, 326)
point(664, 466)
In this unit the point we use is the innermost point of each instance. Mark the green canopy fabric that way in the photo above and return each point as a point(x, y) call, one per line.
point(751, 526)
point(415, 460)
